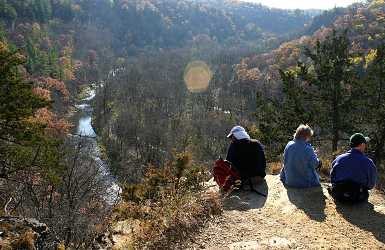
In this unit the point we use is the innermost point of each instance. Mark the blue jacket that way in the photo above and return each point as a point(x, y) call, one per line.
point(299, 165)
point(354, 166)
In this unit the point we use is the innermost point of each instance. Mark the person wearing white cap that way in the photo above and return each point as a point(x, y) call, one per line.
point(239, 133)
point(246, 155)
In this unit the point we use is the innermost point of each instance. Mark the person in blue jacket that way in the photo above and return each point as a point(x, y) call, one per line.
point(353, 173)
point(300, 161)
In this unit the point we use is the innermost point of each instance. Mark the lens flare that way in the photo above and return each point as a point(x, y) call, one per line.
point(197, 76)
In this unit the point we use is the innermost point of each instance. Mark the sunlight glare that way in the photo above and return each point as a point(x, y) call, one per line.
point(197, 76)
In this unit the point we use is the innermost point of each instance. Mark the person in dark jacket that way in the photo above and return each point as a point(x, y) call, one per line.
point(246, 155)
point(353, 173)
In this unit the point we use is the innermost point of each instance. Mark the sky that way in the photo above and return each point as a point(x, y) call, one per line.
point(304, 4)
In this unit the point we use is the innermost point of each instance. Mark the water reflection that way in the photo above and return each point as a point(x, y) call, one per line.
point(84, 128)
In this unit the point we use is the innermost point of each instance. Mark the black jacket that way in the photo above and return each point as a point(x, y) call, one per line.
point(248, 158)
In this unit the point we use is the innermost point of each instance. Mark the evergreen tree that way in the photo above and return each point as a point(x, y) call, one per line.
point(7, 12)
point(18, 104)
point(374, 101)
point(43, 11)
point(296, 105)
point(269, 131)
point(332, 74)
point(53, 62)
point(32, 56)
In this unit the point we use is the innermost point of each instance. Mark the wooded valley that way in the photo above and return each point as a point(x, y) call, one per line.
point(158, 128)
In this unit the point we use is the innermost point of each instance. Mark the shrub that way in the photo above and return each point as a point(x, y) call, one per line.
point(168, 204)
point(274, 168)
point(25, 241)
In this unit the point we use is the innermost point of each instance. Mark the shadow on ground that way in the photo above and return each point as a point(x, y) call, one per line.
point(365, 217)
point(244, 200)
point(310, 200)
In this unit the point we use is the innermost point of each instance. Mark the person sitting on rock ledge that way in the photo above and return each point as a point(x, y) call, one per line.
point(300, 161)
point(246, 155)
point(353, 174)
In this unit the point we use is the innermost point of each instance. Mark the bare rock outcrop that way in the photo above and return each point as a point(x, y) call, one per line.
point(290, 218)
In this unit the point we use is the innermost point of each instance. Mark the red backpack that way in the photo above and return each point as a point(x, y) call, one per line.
point(227, 178)
point(224, 175)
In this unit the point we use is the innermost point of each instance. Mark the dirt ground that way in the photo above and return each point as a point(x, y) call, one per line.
point(293, 219)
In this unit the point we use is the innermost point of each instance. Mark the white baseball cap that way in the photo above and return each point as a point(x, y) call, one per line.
point(239, 133)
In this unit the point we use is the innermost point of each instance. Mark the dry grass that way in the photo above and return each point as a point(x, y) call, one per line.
point(25, 241)
point(274, 168)
point(325, 169)
point(168, 222)
point(381, 178)
point(168, 206)
point(16, 235)
point(177, 221)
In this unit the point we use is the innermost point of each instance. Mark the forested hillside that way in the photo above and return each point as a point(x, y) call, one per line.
point(331, 77)
point(243, 89)
point(135, 52)
point(294, 74)
point(171, 77)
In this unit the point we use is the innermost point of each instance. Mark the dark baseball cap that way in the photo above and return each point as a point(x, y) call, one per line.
point(357, 139)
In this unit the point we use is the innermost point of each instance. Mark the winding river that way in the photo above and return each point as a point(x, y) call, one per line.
point(85, 129)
